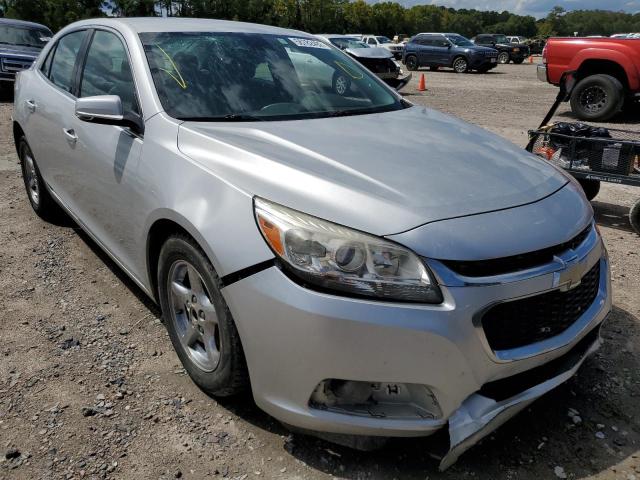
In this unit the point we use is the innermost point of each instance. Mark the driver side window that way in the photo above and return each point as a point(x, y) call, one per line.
point(107, 71)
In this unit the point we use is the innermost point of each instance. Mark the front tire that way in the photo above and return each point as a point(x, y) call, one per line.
point(37, 193)
point(503, 58)
point(198, 320)
point(597, 97)
point(460, 65)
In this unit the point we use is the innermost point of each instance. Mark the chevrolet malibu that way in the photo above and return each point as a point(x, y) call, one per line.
point(364, 286)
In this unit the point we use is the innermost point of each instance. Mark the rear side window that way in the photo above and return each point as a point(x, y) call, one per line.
point(64, 60)
point(107, 71)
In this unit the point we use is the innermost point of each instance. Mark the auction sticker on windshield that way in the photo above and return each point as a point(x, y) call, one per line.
point(308, 43)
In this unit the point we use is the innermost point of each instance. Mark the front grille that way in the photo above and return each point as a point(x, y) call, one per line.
point(488, 53)
point(533, 319)
point(12, 65)
point(504, 388)
point(514, 263)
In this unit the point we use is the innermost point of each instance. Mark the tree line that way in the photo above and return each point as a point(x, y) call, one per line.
point(334, 16)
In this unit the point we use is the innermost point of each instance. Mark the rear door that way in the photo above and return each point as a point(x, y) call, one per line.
point(441, 50)
point(425, 49)
point(50, 123)
point(109, 191)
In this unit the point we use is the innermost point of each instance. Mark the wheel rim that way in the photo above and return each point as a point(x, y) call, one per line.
point(31, 179)
point(593, 99)
point(460, 65)
point(503, 58)
point(194, 316)
point(341, 85)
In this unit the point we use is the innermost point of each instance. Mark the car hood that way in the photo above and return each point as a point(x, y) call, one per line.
point(23, 51)
point(381, 173)
point(369, 52)
point(480, 48)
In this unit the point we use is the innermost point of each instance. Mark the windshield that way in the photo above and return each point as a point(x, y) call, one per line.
point(247, 76)
point(459, 40)
point(343, 43)
point(24, 36)
point(383, 40)
point(500, 39)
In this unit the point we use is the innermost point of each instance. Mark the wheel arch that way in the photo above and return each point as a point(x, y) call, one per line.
point(18, 132)
point(166, 224)
point(606, 67)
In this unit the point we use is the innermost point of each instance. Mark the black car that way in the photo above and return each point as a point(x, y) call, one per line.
point(20, 44)
point(379, 60)
point(507, 52)
point(435, 50)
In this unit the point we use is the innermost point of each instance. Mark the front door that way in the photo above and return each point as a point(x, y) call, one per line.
point(108, 190)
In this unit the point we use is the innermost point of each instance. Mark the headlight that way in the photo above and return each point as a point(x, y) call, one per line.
point(338, 258)
point(516, 49)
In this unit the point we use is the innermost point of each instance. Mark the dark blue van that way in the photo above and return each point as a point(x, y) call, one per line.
point(437, 50)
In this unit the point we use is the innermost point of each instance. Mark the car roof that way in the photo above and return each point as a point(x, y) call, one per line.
point(173, 24)
point(22, 23)
point(437, 33)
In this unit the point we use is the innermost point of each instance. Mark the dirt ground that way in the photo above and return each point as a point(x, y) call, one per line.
point(90, 386)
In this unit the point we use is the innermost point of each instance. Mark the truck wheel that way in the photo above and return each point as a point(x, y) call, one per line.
point(460, 65)
point(412, 63)
point(634, 217)
point(590, 187)
point(597, 97)
point(503, 57)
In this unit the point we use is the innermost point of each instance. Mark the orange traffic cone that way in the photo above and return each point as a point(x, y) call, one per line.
point(421, 84)
point(530, 58)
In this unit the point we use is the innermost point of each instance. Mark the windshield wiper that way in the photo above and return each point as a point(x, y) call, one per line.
point(231, 117)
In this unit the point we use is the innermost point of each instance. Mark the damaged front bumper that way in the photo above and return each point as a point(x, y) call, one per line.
point(398, 83)
point(480, 415)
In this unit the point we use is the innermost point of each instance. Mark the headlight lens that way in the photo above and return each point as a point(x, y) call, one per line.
point(338, 258)
point(516, 49)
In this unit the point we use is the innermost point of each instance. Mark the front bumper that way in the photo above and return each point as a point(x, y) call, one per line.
point(541, 72)
point(398, 82)
point(294, 338)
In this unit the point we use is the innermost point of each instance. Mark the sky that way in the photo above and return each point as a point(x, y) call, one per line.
point(537, 8)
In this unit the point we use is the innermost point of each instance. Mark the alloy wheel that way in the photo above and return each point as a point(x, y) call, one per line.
point(341, 85)
point(460, 65)
point(503, 57)
point(194, 315)
point(593, 98)
point(31, 179)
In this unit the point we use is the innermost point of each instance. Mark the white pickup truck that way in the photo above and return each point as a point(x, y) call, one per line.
point(384, 42)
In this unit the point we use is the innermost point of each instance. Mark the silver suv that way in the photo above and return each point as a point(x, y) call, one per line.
point(362, 285)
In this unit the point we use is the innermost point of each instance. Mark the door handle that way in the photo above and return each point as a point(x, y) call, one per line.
point(31, 105)
point(70, 134)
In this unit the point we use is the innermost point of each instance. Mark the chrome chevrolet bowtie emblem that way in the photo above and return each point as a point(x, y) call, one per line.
point(572, 272)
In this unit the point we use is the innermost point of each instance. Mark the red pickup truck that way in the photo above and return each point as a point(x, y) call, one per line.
point(607, 73)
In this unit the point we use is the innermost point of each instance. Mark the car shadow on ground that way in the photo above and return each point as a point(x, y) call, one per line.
point(612, 215)
point(628, 115)
point(602, 392)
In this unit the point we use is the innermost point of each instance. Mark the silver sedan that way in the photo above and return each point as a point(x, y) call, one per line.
point(369, 268)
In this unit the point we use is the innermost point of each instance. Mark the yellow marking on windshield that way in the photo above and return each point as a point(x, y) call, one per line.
point(179, 79)
point(352, 73)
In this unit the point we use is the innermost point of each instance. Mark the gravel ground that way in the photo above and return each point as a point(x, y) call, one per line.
point(90, 386)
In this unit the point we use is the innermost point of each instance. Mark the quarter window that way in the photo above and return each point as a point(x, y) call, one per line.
point(64, 60)
point(107, 71)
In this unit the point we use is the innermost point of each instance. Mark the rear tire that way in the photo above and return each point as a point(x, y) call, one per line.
point(198, 319)
point(460, 65)
point(37, 193)
point(634, 217)
point(597, 97)
point(591, 187)
point(411, 63)
point(503, 58)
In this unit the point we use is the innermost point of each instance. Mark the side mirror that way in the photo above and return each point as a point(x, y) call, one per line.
point(107, 110)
